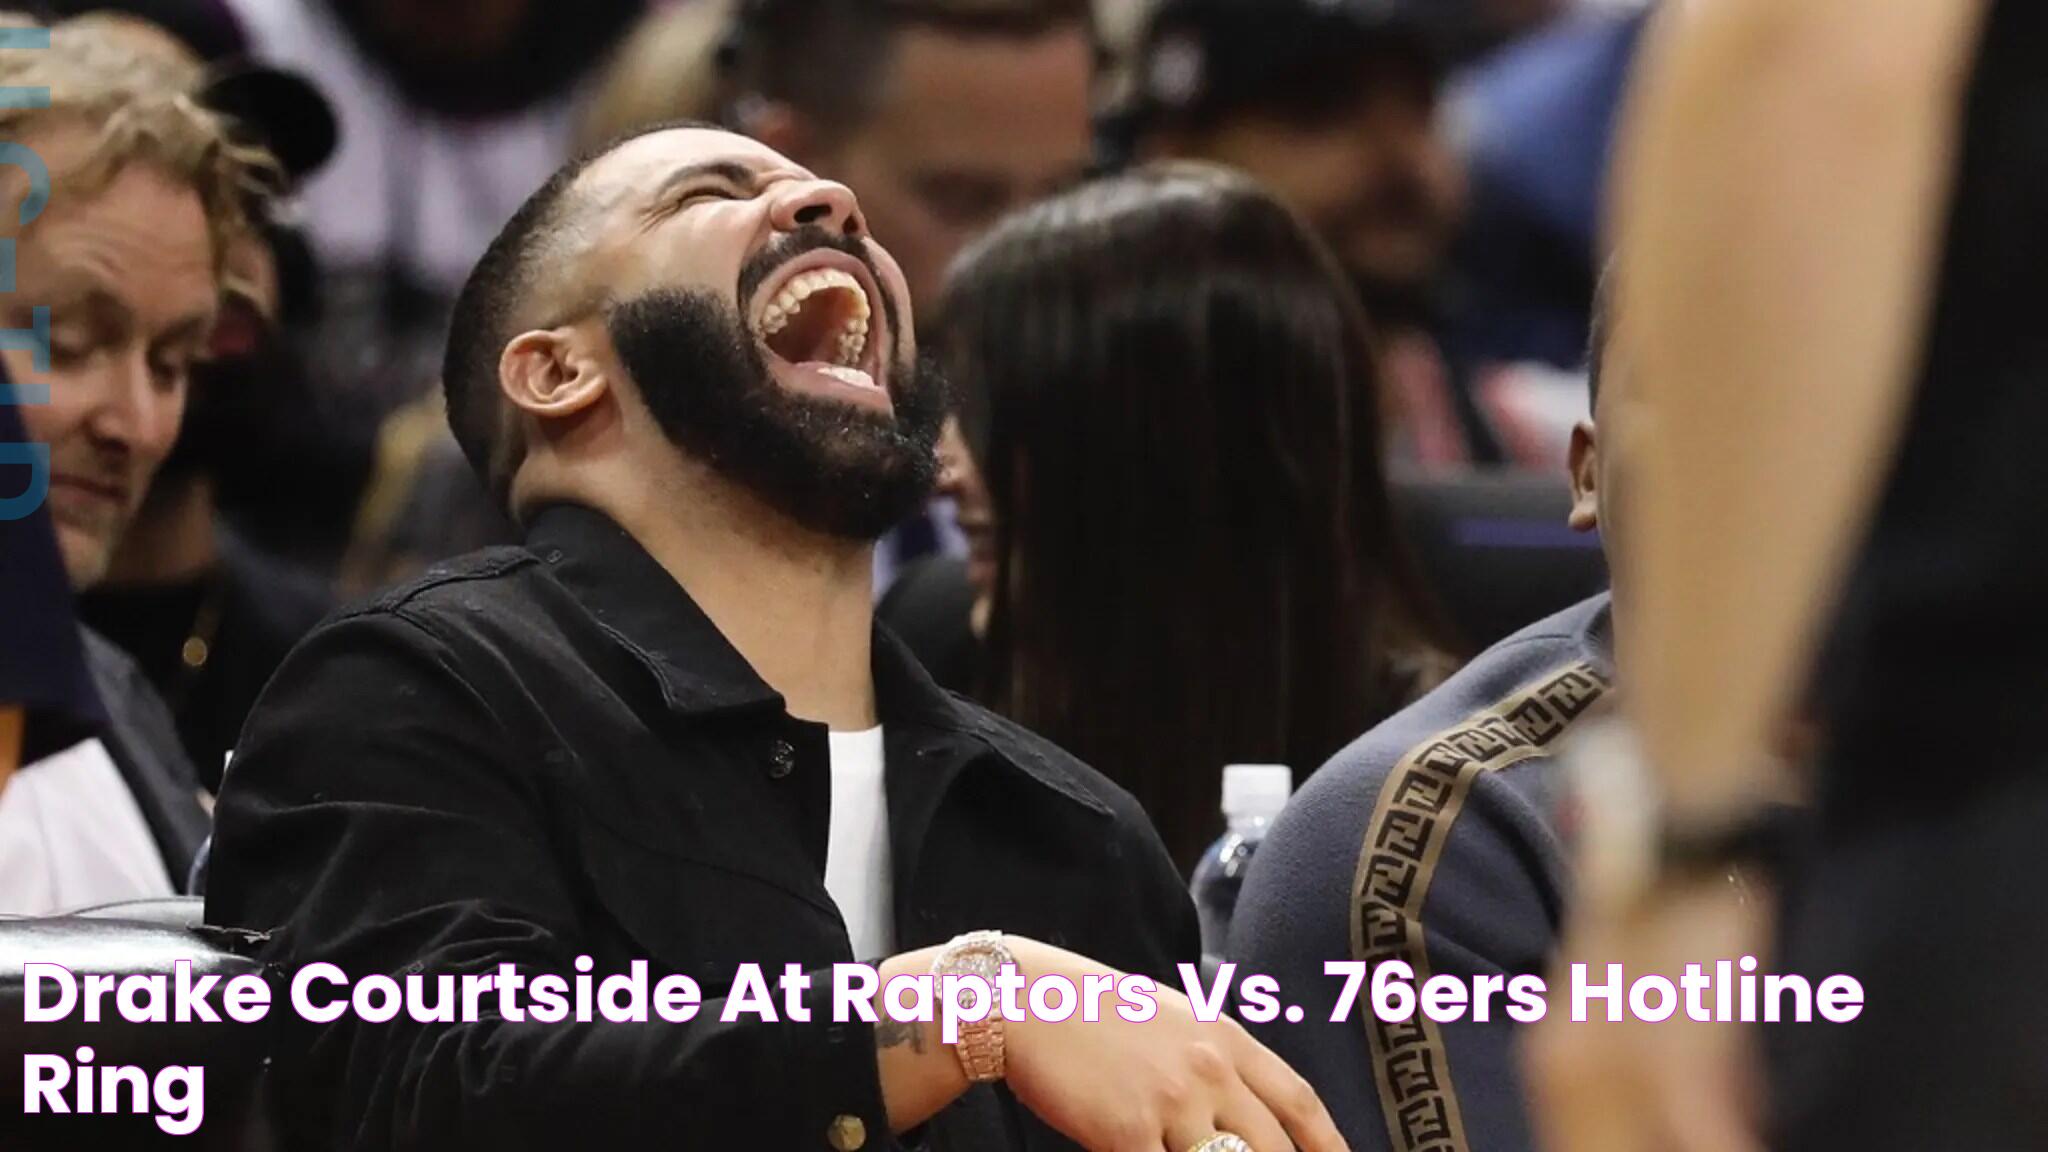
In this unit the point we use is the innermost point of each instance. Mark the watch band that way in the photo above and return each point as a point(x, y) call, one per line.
point(1628, 840)
point(1761, 837)
point(980, 1047)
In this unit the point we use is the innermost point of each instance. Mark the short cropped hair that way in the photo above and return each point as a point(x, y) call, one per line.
point(495, 305)
point(139, 101)
point(822, 57)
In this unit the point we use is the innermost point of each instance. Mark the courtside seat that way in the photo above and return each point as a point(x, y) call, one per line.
point(164, 912)
point(1495, 551)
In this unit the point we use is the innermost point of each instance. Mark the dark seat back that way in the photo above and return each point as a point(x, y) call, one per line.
point(1496, 552)
point(233, 1055)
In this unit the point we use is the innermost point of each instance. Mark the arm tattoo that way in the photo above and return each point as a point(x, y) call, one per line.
point(896, 1033)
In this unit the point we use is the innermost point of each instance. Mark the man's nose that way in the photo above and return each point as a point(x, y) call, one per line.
point(132, 411)
point(819, 203)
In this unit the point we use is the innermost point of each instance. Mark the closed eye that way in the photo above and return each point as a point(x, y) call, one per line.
point(700, 195)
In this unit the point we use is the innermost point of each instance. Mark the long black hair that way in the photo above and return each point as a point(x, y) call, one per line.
point(1175, 396)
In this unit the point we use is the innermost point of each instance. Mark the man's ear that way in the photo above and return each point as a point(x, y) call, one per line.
point(552, 374)
point(1585, 467)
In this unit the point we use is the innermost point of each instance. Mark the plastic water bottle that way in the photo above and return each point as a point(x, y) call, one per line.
point(1253, 795)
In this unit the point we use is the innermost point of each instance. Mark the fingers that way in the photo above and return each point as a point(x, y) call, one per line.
point(1231, 1105)
point(1292, 1102)
point(1248, 1116)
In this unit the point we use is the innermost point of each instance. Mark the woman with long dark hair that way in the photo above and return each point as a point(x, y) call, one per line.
point(1197, 560)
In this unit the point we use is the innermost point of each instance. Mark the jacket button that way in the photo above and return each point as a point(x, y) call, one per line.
point(781, 759)
point(847, 1134)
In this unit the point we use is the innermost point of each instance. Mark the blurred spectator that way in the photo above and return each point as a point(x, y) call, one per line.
point(300, 456)
point(1534, 125)
point(1333, 106)
point(1469, 30)
point(423, 504)
point(1197, 559)
point(667, 69)
point(206, 614)
point(448, 110)
point(147, 193)
point(946, 115)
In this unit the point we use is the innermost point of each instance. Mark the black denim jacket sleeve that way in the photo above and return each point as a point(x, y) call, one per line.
point(416, 778)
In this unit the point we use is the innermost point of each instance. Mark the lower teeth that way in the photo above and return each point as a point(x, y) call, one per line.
point(848, 375)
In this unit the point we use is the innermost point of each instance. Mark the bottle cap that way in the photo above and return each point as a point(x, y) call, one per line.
point(1256, 790)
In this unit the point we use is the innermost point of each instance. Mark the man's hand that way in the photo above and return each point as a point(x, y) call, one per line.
point(1161, 1086)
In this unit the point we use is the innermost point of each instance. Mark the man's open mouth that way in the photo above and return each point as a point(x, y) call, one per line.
point(821, 318)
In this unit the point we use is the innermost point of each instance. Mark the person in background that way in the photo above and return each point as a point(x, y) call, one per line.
point(1533, 126)
point(423, 503)
point(147, 193)
point(290, 485)
point(1334, 107)
point(667, 68)
point(1838, 248)
point(207, 614)
point(946, 114)
point(447, 109)
point(1197, 560)
point(1471, 31)
point(1450, 814)
point(692, 375)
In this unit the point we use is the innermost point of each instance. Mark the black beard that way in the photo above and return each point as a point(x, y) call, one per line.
point(829, 466)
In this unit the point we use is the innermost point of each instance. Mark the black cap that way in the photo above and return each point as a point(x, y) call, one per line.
point(277, 108)
point(1203, 60)
point(281, 110)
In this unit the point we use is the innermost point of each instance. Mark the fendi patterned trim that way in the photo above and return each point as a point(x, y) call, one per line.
point(1404, 839)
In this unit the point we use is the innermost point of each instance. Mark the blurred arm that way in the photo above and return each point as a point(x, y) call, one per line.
point(1782, 180)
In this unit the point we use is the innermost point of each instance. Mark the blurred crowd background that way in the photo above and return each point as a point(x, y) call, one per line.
point(1447, 153)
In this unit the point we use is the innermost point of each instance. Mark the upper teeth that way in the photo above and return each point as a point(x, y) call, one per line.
point(853, 341)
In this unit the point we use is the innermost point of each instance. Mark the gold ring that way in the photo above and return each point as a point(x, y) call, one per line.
point(1223, 1142)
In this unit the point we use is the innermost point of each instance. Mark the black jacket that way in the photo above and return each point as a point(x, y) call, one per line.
point(142, 740)
point(541, 752)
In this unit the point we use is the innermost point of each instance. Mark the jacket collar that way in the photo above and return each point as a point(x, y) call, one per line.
point(645, 611)
point(642, 608)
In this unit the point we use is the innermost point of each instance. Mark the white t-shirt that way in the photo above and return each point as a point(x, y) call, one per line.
point(71, 836)
point(857, 848)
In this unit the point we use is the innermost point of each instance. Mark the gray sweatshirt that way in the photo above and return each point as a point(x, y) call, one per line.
point(1432, 839)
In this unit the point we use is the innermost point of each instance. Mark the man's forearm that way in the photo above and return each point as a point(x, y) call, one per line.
point(920, 1073)
point(1780, 195)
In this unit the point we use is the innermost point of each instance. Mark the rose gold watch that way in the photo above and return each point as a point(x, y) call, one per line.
point(982, 954)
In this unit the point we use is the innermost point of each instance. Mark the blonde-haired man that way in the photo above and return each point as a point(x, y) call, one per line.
point(121, 196)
